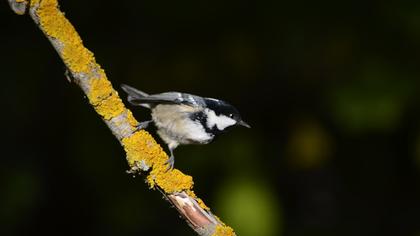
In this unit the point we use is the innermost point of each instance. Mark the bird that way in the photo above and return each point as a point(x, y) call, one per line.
point(182, 118)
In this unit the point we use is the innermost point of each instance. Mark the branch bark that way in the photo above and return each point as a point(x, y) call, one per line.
point(143, 154)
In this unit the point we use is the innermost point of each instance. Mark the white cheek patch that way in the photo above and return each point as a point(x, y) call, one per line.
point(221, 121)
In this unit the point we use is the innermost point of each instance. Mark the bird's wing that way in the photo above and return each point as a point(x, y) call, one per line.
point(170, 98)
point(139, 98)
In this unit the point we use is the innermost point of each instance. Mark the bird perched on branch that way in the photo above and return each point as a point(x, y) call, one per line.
point(182, 118)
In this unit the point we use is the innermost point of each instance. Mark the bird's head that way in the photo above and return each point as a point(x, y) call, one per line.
point(221, 115)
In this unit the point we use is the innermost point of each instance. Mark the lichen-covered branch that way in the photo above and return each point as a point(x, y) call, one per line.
point(143, 153)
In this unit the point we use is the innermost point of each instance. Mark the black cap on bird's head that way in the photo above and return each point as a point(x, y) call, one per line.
point(221, 107)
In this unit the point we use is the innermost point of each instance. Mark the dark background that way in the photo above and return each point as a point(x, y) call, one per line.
point(329, 87)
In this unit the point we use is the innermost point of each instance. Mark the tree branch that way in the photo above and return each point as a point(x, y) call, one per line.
point(143, 153)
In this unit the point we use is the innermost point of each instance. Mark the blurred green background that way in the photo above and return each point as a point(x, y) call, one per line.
point(329, 87)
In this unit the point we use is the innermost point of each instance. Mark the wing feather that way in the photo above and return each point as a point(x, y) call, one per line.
point(139, 98)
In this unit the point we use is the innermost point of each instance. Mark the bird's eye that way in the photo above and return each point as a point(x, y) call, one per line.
point(231, 115)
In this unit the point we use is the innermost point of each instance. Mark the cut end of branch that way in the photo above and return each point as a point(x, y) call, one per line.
point(200, 220)
point(19, 6)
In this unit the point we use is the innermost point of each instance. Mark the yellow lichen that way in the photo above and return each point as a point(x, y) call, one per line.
point(200, 202)
point(100, 88)
point(110, 107)
point(170, 181)
point(21, 1)
point(34, 2)
point(104, 98)
point(223, 230)
point(76, 57)
point(142, 147)
point(131, 120)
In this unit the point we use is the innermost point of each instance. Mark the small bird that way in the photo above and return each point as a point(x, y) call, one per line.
point(182, 118)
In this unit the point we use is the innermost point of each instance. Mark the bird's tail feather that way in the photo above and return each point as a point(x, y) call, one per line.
point(134, 95)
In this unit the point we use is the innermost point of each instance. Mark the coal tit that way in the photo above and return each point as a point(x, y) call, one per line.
point(182, 118)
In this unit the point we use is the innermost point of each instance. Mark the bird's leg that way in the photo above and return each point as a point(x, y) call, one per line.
point(144, 124)
point(171, 160)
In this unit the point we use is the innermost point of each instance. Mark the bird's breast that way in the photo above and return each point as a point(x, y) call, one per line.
point(174, 124)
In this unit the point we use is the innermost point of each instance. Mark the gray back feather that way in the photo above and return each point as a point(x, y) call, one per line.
point(139, 98)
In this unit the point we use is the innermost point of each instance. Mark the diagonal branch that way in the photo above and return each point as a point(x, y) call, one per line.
point(143, 153)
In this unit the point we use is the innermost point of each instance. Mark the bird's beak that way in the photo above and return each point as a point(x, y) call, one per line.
point(243, 123)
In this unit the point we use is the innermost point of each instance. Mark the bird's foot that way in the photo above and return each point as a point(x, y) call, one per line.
point(170, 162)
point(144, 124)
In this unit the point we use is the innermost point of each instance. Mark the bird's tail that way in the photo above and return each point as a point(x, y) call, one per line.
point(134, 95)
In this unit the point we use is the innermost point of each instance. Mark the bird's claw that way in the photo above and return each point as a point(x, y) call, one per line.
point(170, 162)
point(143, 125)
